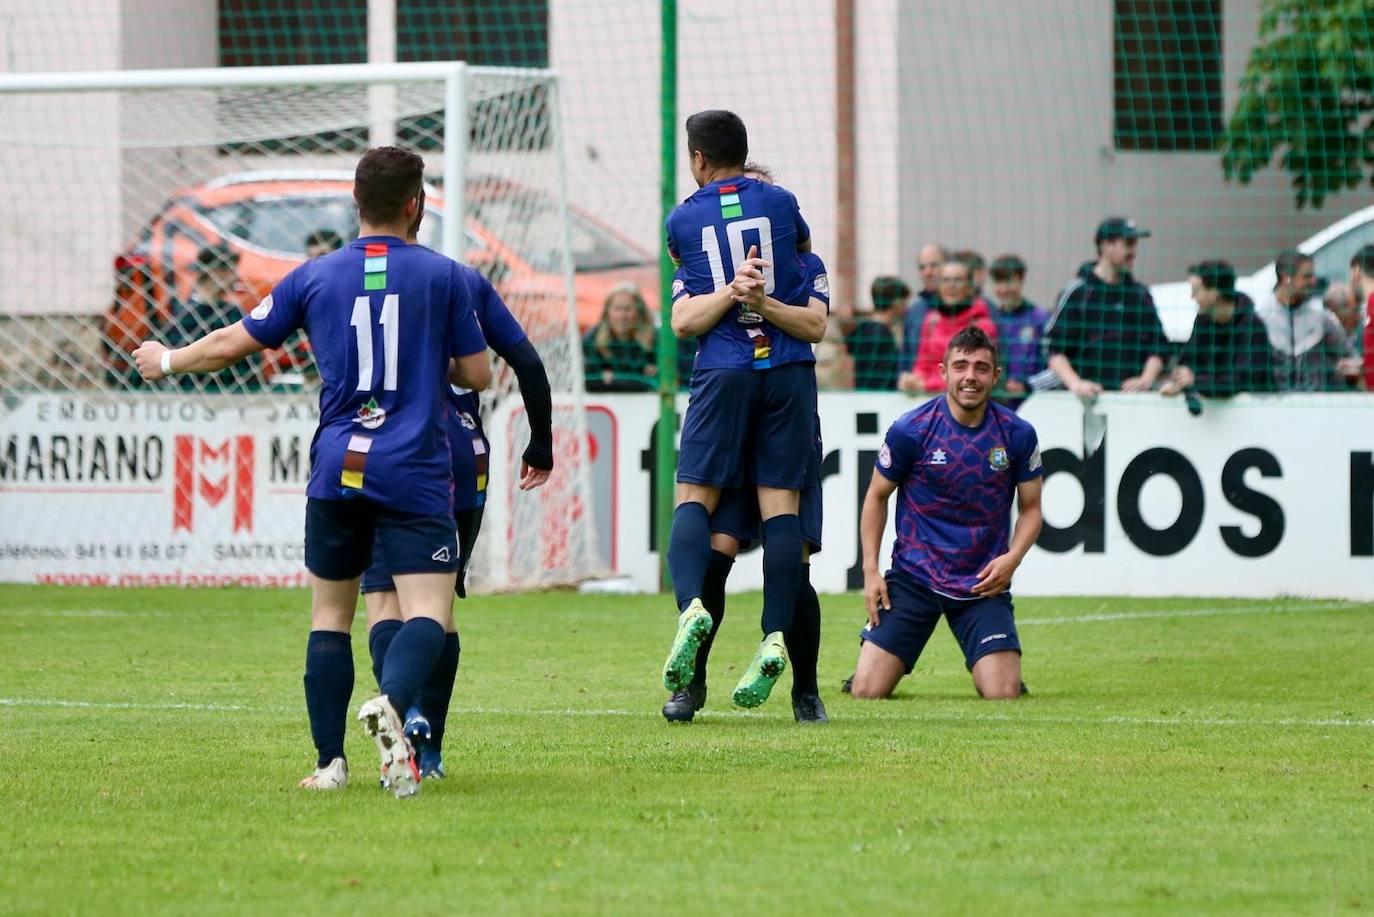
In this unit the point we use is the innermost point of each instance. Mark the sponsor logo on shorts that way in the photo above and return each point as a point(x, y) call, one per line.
point(997, 458)
point(443, 555)
point(885, 456)
point(991, 637)
point(371, 415)
point(262, 310)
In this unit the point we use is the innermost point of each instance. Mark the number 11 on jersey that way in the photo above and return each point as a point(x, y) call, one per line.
point(391, 335)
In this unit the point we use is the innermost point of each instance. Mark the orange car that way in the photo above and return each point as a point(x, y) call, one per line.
point(513, 238)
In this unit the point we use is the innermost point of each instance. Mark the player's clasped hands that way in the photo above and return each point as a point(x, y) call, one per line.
point(749, 283)
point(875, 595)
point(995, 577)
point(148, 358)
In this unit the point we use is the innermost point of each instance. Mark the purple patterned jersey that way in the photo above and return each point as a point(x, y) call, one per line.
point(954, 491)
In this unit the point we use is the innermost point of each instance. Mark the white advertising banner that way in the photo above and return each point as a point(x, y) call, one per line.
point(1261, 496)
point(1256, 497)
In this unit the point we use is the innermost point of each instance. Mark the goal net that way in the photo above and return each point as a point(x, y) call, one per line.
point(163, 204)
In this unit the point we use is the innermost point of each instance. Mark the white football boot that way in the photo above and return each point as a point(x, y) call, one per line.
point(400, 774)
point(333, 776)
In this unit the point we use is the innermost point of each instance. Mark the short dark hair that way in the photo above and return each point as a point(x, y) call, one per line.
point(387, 177)
point(970, 339)
point(1288, 262)
point(1216, 275)
point(1005, 267)
point(1364, 260)
point(971, 258)
point(326, 237)
point(719, 135)
point(888, 291)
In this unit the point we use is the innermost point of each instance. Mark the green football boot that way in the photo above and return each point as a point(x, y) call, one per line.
point(769, 663)
point(693, 626)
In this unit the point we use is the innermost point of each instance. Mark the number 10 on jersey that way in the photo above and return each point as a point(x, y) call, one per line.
point(391, 335)
point(734, 232)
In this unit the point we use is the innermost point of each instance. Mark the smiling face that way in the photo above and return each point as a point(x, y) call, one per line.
point(970, 376)
point(955, 284)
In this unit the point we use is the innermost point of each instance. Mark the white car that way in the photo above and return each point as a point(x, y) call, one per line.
point(1331, 249)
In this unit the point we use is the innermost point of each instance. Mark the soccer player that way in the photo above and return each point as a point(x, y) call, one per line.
point(957, 460)
point(468, 446)
point(735, 525)
point(390, 325)
point(753, 387)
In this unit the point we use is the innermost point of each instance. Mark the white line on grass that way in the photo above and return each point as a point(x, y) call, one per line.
point(81, 613)
point(1214, 612)
point(1110, 720)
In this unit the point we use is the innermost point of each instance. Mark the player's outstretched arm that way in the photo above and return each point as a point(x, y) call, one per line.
point(472, 371)
point(535, 391)
point(805, 323)
point(872, 521)
point(211, 353)
point(995, 578)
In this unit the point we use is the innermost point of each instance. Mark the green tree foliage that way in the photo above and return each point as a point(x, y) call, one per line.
point(1308, 95)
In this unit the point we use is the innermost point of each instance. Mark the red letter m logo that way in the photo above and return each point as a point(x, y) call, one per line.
point(208, 470)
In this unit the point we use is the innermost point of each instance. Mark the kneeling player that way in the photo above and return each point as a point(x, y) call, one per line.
point(956, 459)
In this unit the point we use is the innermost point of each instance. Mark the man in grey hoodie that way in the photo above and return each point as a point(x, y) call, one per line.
point(1307, 339)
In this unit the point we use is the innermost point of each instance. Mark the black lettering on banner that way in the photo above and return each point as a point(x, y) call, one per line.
point(648, 461)
point(1180, 533)
point(1362, 504)
point(285, 461)
point(864, 424)
point(1262, 506)
point(1090, 528)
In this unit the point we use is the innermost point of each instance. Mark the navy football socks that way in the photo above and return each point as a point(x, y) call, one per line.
point(328, 689)
point(713, 597)
point(782, 571)
point(689, 552)
point(378, 642)
point(410, 660)
point(437, 691)
point(804, 639)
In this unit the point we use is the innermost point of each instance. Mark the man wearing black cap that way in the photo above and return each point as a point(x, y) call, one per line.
point(1229, 349)
point(1105, 333)
point(210, 306)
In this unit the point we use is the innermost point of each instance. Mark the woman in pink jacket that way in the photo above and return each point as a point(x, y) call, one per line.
point(957, 310)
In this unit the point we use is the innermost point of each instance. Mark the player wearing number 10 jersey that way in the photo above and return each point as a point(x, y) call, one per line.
point(744, 293)
point(390, 324)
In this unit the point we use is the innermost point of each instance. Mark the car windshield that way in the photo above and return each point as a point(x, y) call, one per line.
point(531, 226)
point(282, 224)
point(1332, 260)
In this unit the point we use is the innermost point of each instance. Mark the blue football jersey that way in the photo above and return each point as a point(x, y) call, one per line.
point(709, 234)
point(383, 319)
point(955, 488)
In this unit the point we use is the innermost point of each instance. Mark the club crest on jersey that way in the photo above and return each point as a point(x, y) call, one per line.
point(262, 309)
point(885, 456)
point(466, 420)
point(997, 458)
point(371, 415)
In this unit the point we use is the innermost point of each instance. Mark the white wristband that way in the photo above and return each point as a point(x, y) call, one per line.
point(166, 362)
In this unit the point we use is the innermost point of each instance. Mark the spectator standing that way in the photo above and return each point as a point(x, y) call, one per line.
point(322, 242)
point(931, 258)
point(1308, 340)
point(1105, 333)
point(1340, 300)
point(957, 311)
point(213, 303)
point(1020, 324)
point(1229, 350)
point(978, 272)
point(1362, 282)
point(618, 353)
point(872, 344)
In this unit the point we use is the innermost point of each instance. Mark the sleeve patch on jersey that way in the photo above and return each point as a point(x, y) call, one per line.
point(1033, 463)
point(885, 456)
point(262, 309)
point(678, 287)
point(821, 284)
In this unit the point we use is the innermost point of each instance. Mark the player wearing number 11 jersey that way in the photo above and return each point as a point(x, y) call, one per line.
point(743, 291)
point(390, 324)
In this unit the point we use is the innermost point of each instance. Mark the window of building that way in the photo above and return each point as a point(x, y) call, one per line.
point(1168, 74)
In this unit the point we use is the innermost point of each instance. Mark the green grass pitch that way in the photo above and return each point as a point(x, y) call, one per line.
point(1177, 755)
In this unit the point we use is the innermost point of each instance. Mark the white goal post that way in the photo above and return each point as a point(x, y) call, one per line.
point(161, 203)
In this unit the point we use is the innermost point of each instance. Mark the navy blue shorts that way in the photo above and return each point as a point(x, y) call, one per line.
point(377, 577)
point(339, 536)
point(981, 626)
point(741, 420)
point(737, 515)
